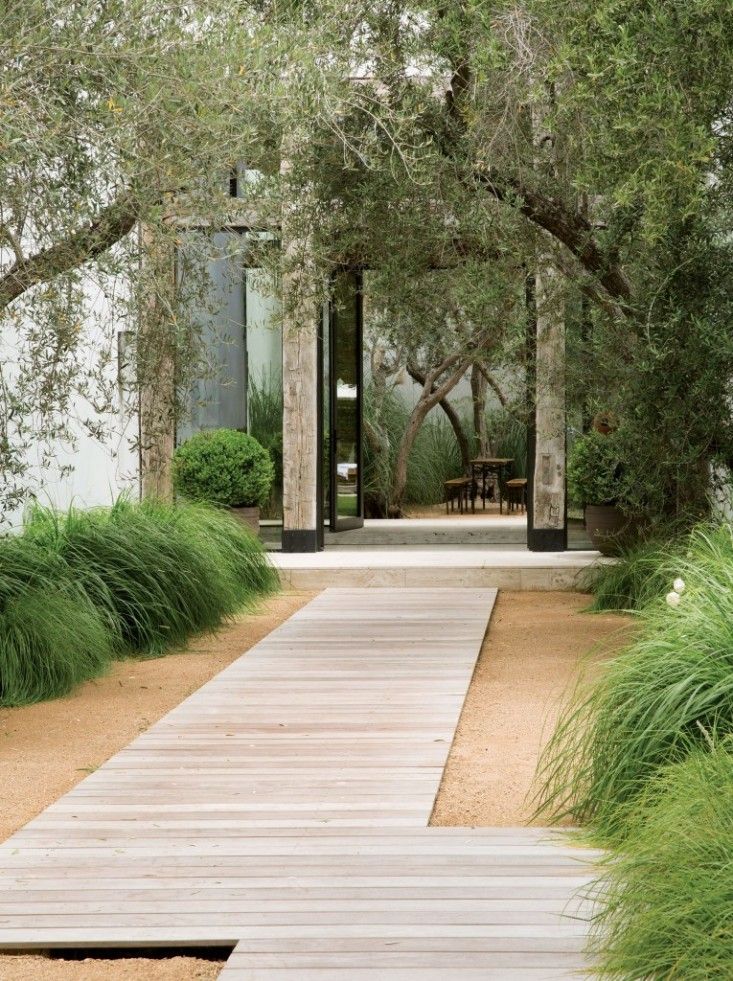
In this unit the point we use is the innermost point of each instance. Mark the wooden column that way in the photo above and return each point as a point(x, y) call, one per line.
point(547, 530)
point(302, 513)
point(547, 514)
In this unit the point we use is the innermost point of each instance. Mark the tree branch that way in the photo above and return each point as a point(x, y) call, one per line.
point(450, 412)
point(113, 223)
point(567, 226)
point(493, 384)
point(570, 228)
point(12, 240)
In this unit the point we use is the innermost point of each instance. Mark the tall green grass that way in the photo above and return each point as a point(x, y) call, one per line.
point(641, 574)
point(670, 690)
point(52, 636)
point(80, 588)
point(265, 423)
point(666, 907)
point(508, 438)
point(159, 573)
point(435, 458)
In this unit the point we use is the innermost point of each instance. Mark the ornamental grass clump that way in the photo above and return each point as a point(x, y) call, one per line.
point(666, 907)
point(158, 573)
point(670, 689)
point(52, 636)
point(640, 576)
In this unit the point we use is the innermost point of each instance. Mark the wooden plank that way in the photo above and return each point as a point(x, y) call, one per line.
point(285, 806)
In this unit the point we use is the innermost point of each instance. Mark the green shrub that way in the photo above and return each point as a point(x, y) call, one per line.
point(596, 473)
point(52, 637)
point(667, 900)
point(159, 573)
point(671, 687)
point(223, 466)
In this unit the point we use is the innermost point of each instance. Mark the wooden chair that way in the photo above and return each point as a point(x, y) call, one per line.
point(516, 493)
point(458, 489)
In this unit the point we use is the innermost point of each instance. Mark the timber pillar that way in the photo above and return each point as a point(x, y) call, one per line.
point(302, 387)
point(547, 513)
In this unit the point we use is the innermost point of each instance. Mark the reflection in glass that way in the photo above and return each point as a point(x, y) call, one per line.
point(346, 353)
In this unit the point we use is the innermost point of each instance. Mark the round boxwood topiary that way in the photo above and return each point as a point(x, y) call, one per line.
point(223, 466)
point(596, 471)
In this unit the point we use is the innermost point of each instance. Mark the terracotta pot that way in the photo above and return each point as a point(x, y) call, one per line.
point(608, 527)
point(249, 517)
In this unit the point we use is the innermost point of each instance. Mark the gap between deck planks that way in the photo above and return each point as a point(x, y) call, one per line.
point(283, 808)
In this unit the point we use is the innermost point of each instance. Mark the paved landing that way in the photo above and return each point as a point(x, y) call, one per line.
point(430, 568)
point(283, 808)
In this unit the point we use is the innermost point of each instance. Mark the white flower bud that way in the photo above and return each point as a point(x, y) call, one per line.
point(679, 586)
point(673, 599)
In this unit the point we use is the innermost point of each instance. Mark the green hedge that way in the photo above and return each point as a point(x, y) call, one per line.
point(81, 588)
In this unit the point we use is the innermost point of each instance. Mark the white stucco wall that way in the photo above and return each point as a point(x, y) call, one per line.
point(84, 471)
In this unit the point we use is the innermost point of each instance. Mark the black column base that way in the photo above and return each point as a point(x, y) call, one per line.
point(547, 539)
point(302, 540)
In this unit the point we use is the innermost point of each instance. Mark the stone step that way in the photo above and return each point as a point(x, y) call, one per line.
point(422, 567)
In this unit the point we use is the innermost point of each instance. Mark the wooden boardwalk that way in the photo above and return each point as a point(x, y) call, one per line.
point(283, 809)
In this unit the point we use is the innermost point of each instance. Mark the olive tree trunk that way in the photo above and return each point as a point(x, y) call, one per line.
point(433, 392)
point(452, 416)
point(156, 372)
point(478, 397)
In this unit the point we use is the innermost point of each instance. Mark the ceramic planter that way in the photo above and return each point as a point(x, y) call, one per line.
point(608, 527)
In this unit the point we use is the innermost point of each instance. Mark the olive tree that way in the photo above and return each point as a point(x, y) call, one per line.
point(118, 117)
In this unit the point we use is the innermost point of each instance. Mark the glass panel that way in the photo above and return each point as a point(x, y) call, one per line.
point(346, 377)
point(219, 399)
point(264, 382)
point(326, 409)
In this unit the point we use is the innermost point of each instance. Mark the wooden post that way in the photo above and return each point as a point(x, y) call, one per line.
point(302, 510)
point(548, 529)
point(547, 526)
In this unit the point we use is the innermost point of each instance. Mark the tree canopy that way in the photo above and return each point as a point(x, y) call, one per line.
point(444, 146)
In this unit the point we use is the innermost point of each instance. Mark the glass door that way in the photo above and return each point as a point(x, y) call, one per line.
point(345, 380)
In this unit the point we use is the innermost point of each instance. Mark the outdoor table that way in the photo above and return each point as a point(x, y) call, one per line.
point(484, 466)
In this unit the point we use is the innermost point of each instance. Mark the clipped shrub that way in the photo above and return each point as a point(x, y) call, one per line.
point(664, 694)
point(52, 637)
point(223, 466)
point(667, 900)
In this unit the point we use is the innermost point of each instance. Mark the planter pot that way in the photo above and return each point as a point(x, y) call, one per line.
point(249, 517)
point(608, 527)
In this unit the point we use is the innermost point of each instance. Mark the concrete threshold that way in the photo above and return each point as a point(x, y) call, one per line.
point(469, 567)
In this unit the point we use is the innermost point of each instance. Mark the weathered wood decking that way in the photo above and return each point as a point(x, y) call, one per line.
point(284, 808)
